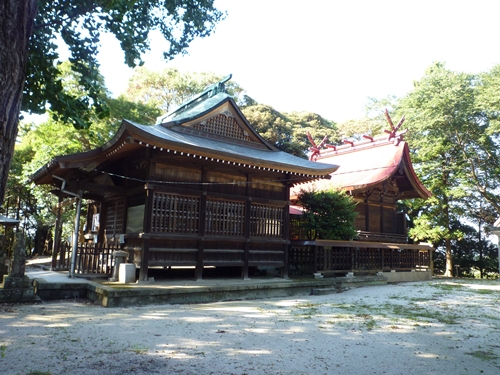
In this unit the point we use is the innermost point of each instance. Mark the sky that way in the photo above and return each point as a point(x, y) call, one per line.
point(329, 56)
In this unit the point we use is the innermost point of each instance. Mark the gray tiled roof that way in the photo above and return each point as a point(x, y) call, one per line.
point(230, 151)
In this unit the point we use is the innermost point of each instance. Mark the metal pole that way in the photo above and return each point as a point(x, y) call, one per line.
point(75, 235)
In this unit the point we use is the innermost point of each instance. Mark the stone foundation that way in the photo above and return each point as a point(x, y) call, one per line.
point(17, 289)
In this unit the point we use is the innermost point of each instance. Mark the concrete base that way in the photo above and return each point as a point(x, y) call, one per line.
point(182, 289)
point(126, 274)
point(17, 289)
point(340, 284)
point(210, 290)
point(51, 291)
point(118, 296)
point(407, 276)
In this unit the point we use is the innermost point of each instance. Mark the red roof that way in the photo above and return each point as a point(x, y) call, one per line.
point(368, 163)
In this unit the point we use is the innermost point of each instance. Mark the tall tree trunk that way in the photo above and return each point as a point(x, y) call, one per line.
point(449, 259)
point(16, 22)
point(481, 268)
point(447, 241)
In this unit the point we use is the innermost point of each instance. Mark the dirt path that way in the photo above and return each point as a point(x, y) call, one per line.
point(437, 327)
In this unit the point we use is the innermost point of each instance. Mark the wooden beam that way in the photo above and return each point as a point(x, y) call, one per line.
point(362, 244)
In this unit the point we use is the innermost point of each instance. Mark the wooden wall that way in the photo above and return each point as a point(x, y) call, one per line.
point(181, 211)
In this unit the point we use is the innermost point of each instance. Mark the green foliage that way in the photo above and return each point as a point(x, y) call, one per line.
point(474, 255)
point(328, 214)
point(450, 116)
point(355, 129)
point(122, 108)
point(80, 24)
point(169, 88)
point(38, 144)
point(288, 131)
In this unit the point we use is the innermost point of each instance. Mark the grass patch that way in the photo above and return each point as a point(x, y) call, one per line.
point(307, 310)
point(485, 355)
point(343, 306)
point(448, 286)
point(485, 291)
point(370, 324)
point(138, 349)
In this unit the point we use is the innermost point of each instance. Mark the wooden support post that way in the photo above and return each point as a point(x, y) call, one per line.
point(57, 235)
point(382, 254)
point(201, 233)
point(315, 258)
point(367, 216)
point(286, 233)
point(246, 229)
point(148, 213)
point(246, 254)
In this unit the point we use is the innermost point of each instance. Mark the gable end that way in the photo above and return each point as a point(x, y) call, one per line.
point(223, 124)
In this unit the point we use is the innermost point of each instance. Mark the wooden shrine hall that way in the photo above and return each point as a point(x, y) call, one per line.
point(377, 173)
point(199, 189)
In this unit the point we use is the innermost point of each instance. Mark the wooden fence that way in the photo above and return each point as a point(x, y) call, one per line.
point(358, 256)
point(94, 259)
point(61, 260)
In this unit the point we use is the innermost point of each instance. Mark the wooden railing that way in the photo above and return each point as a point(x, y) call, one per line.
point(62, 259)
point(94, 259)
point(358, 256)
point(381, 237)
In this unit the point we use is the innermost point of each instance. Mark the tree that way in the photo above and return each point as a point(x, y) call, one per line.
point(453, 151)
point(288, 131)
point(30, 28)
point(38, 143)
point(328, 214)
point(169, 88)
point(355, 129)
point(473, 255)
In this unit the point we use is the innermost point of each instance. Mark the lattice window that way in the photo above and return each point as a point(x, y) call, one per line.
point(266, 221)
point(114, 218)
point(225, 218)
point(223, 125)
point(175, 214)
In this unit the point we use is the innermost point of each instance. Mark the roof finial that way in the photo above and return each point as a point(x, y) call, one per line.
point(316, 150)
point(394, 132)
point(209, 91)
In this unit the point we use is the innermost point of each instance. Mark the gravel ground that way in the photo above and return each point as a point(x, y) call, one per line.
point(437, 327)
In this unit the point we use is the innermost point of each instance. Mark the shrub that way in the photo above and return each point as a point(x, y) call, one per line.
point(328, 214)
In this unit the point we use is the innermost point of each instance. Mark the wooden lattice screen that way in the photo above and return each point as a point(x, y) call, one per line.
point(174, 213)
point(180, 214)
point(225, 218)
point(223, 125)
point(266, 221)
point(114, 218)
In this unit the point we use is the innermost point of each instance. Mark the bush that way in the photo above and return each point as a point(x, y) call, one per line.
point(328, 214)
